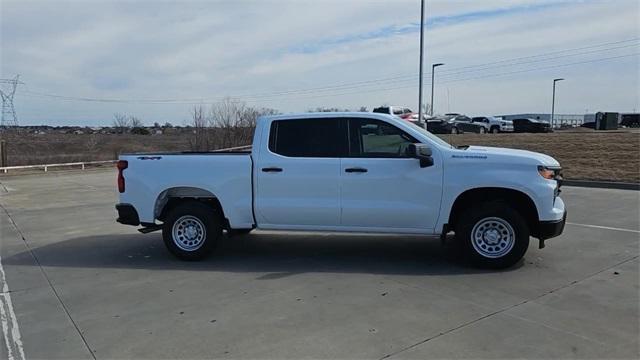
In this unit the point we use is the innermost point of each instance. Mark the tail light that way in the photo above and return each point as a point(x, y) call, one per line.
point(121, 165)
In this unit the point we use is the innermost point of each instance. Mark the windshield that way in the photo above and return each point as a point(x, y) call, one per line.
point(429, 135)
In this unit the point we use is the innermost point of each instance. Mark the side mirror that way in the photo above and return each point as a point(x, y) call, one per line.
point(421, 152)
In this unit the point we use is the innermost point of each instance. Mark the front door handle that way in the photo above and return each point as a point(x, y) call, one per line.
point(356, 170)
point(272, 169)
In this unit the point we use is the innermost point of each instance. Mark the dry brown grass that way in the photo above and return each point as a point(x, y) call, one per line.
point(31, 149)
point(585, 154)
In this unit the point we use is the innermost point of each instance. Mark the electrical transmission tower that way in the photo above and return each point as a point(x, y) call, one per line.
point(9, 117)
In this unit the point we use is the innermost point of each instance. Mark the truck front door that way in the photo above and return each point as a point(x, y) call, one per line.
point(382, 187)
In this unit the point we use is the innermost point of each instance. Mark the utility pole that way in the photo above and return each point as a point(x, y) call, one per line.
point(553, 100)
point(9, 117)
point(433, 72)
point(421, 62)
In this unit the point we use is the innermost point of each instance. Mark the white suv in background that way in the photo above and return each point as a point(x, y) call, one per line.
point(402, 112)
point(493, 124)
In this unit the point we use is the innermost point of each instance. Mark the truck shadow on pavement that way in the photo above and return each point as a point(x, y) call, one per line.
point(277, 255)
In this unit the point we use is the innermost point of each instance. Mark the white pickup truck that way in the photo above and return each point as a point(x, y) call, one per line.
point(346, 172)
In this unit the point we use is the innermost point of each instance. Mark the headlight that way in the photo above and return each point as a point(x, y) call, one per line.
point(551, 173)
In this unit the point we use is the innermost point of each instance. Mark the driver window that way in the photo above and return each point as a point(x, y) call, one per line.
point(377, 139)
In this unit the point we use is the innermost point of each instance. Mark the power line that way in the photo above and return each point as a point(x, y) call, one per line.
point(450, 71)
point(380, 81)
point(464, 79)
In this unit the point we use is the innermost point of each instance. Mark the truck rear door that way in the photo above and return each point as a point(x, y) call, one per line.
point(298, 174)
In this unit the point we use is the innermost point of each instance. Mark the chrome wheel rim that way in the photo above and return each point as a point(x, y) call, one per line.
point(493, 237)
point(188, 233)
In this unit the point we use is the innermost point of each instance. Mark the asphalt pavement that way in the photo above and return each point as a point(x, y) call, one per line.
point(77, 285)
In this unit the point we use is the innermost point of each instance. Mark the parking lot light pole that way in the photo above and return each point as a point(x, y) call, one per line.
point(433, 71)
point(553, 101)
point(421, 62)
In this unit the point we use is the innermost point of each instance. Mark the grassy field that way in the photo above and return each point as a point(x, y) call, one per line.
point(585, 155)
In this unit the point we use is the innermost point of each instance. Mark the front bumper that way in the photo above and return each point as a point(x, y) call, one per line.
point(127, 215)
point(549, 229)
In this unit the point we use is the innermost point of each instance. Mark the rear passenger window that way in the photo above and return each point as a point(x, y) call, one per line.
point(308, 138)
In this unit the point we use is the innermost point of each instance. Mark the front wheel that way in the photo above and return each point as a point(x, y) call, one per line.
point(495, 130)
point(191, 230)
point(493, 235)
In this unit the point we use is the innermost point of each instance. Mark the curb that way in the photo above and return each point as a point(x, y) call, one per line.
point(602, 184)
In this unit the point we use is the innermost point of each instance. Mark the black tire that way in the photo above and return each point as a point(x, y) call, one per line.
point(493, 248)
point(482, 130)
point(495, 130)
point(197, 217)
point(454, 130)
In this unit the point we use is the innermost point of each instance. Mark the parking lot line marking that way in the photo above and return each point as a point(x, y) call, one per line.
point(605, 227)
point(10, 329)
point(46, 277)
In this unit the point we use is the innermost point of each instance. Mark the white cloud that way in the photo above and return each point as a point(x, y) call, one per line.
point(205, 49)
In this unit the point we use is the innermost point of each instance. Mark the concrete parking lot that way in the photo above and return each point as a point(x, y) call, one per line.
point(78, 285)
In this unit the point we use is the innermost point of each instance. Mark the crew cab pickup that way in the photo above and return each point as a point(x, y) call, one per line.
point(346, 172)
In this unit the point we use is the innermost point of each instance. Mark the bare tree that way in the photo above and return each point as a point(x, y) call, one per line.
point(248, 118)
point(230, 123)
point(121, 122)
point(363, 109)
point(199, 141)
point(135, 122)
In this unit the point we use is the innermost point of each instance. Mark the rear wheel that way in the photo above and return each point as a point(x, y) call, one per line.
point(191, 230)
point(493, 235)
point(482, 130)
point(454, 130)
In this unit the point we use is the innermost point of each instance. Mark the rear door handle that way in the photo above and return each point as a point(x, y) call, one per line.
point(272, 169)
point(356, 170)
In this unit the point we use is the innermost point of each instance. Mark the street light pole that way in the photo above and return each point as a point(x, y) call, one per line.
point(553, 101)
point(421, 62)
point(433, 71)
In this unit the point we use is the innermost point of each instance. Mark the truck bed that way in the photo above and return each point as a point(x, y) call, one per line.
point(224, 175)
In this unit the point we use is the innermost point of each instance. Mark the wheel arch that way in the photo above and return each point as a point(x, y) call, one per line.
point(171, 197)
point(519, 200)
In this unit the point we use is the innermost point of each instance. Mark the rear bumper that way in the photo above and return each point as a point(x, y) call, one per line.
point(127, 215)
point(549, 229)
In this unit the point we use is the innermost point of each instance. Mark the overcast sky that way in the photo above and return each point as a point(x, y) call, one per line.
point(156, 59)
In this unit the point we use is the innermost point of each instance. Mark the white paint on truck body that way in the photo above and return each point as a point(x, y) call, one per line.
point(395, 195)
